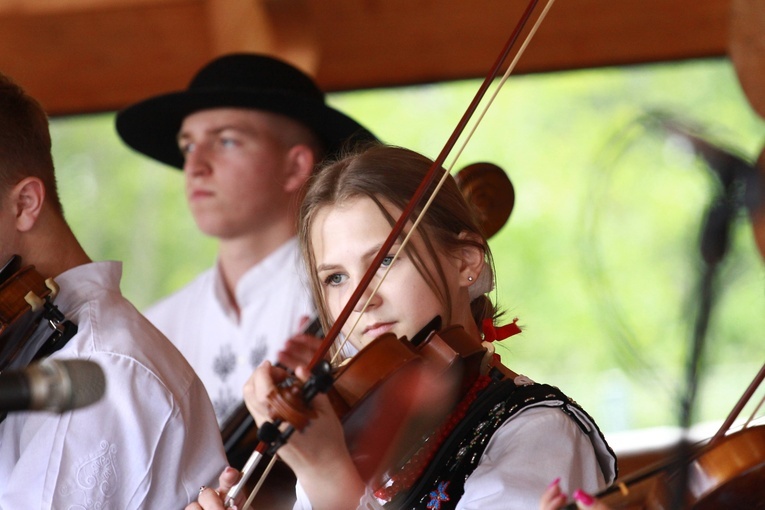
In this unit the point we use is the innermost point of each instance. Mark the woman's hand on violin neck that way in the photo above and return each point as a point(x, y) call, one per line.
point(318, 454)
point(321, 443)
point(258, 387)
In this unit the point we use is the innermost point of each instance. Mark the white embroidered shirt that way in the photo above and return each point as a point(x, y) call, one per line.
point(150, 442)
point(224, 348)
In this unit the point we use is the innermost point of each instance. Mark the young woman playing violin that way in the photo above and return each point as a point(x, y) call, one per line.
point(504, 439)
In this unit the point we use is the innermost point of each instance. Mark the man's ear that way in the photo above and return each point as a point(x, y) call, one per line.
point(472, 259)
point(301, 161)
point(27, 198)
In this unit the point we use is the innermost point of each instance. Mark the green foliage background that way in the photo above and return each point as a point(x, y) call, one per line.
point(599, 259)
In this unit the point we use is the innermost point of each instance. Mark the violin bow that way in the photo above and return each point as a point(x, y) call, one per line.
point(434, 169)
point(407, 213)
point(739, 406)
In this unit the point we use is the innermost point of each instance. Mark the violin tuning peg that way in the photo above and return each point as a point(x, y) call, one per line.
point(52, 286)
point(34, 301)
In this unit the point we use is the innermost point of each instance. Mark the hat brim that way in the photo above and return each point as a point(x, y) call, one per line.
point(151, 126)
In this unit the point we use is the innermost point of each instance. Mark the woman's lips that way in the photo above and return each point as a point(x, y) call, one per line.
point(378, 328)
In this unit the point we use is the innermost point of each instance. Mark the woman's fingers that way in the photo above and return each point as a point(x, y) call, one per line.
point(552, 498)
point(227, 479)
point(257, 388)
point(210, 499)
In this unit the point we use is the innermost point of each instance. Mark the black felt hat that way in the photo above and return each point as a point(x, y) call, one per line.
point(242, 81)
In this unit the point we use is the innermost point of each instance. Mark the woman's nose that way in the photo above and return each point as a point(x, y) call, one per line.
point(368, 299)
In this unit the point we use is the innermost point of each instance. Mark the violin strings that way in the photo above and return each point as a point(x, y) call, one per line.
point(448, 169)
point(754, 413)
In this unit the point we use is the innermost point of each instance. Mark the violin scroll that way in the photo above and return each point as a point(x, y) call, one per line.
point(488, 189)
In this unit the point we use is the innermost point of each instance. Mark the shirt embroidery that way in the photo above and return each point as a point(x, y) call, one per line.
point(225, 362)
point(225, 401)
point(224, 365)
point(258, 353)
point(96, 479)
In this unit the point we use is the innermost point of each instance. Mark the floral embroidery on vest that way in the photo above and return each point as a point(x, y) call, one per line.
point(437, 496)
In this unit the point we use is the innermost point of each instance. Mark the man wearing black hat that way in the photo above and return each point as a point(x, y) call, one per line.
point(247, 133)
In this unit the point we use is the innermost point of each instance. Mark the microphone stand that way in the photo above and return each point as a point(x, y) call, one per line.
point(715, 240)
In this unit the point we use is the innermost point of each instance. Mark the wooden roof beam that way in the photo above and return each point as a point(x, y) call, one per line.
point(94, 55)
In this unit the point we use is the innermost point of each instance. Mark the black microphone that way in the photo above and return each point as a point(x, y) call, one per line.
point(52, 385)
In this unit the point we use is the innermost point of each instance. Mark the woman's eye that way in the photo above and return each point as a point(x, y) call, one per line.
point(334, 279)
point(387, 261)
point(228, 142)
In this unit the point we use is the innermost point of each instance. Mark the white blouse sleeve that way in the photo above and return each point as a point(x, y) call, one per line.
point(524, 455)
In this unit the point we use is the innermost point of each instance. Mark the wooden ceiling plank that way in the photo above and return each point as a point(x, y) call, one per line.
point(430, 40)
point(104, 58)
point(295, 33)
point(239, 26)
point(71, 6)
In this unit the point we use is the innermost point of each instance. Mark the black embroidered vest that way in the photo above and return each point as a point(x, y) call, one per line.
point(442, 484)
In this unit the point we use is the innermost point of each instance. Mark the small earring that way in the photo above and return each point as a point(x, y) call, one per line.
point(470, 278)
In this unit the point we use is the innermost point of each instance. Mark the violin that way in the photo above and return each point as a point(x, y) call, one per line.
point(26, 300)
point(367, 389)
point(726, 473)
point(725, 476)
point(730, 473)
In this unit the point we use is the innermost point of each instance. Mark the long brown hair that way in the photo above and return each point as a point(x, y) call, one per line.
point(393, 174)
